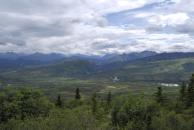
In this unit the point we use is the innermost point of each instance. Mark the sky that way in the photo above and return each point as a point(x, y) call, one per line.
point(96, 27)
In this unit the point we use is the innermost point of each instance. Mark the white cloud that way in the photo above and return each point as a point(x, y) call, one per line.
point(184, 5)
point(144, 15)
point(169, 19)
point(81, 26)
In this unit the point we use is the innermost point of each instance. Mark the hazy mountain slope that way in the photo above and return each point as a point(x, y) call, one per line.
point(9, 64)
point(167, 56)
point(11, 55)
point(75, 68)
point(13, 61)
point(113, 58)
point(158, 71)
point(171, 68)
point(43, 57)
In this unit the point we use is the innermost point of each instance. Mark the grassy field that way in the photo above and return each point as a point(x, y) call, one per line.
point(66, 87)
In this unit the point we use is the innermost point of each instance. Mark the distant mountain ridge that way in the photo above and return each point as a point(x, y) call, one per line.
point(43, 57)
point(106, 59)
point(169, 56)
point(11, 55)
point(34, 56)
point(13, 61)
point(134, 66)
point(113, 58)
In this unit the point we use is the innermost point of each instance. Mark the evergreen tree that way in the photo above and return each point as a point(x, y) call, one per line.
point(94, 103)
point(77, 94)
point(59, 101)
point(159, 96)
point(183, 92)
point(109, 99)
point(190, 92)
point(114, 114)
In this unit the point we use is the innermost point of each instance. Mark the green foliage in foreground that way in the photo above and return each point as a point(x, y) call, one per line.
point(23, 103)
point(28, 109)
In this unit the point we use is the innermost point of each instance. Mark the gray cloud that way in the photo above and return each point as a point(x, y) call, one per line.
point(2, 43)
point(187, 27)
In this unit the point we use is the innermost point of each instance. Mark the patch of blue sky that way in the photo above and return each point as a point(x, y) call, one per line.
point(127, 16)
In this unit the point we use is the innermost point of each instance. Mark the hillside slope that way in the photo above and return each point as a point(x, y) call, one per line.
point(175, 70)
point(151, 71)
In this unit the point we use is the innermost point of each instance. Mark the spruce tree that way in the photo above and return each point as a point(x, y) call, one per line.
point(114, 114)
point(59, 101)
point(77, 94)
point(94, 103)
point(159, 96)
point(109, 98)
point(183, 92)
point(190, 92)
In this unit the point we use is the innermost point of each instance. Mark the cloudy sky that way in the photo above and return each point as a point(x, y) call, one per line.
point(96, 27)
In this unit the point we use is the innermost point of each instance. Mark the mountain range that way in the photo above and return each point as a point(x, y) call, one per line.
point(143, 66)
point(11, 61)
